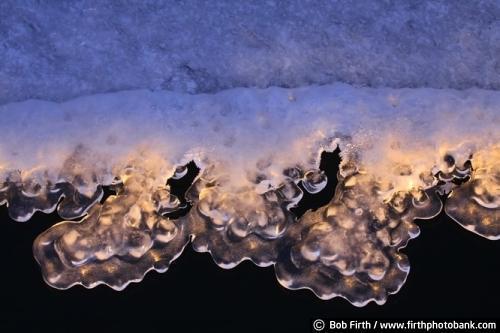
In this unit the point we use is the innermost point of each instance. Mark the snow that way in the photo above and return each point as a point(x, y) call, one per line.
point(61, 50)
point(123, 94)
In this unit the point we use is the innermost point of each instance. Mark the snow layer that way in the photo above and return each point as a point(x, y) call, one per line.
point(55, 50)
point(243, 131)
point(249, 91)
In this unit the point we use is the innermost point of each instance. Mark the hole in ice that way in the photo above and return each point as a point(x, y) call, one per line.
point(329, 165)
point(179, 184)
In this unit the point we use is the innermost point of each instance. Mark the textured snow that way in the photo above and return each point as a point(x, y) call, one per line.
point(57, 50)
point(240, 129)
point(124, 94)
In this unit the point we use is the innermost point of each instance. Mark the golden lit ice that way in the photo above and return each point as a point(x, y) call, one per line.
point(258, 150)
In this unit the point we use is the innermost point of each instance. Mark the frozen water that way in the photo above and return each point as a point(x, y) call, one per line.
point(400, 147)
point(96, 93)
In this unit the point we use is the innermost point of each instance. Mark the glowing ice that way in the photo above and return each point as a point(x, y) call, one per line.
point(257, 149)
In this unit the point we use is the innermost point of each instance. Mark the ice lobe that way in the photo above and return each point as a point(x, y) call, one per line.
point(350, 247)
point(239, 225)
point(476, 204)
point(117, 242)
point(258, 150)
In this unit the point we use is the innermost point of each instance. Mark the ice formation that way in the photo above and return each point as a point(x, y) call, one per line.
point(104, 95)
point(257, 150)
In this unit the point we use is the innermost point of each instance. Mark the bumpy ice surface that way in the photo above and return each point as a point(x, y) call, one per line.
point(253, 102)
point(399, 149)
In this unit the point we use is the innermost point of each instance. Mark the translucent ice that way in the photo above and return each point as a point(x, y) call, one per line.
point(258, 150)
point(117, 242)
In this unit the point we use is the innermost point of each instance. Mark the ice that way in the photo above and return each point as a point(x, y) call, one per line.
point(257, 149)
point(101, 95)
point(476, 204)
point(117, 242)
